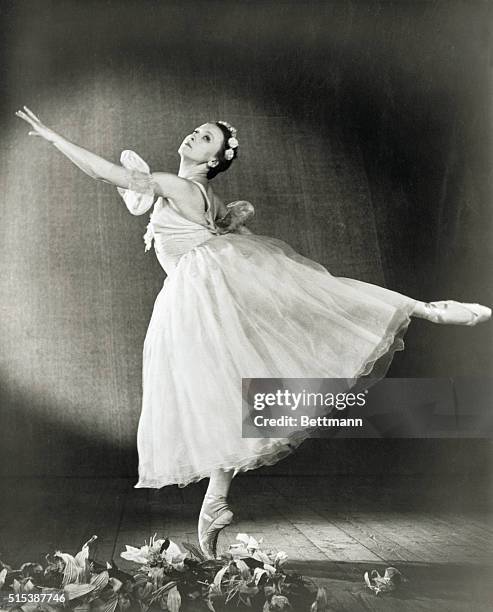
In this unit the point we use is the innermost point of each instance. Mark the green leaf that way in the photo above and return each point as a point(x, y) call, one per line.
point(219, 576)
point(71, 570)
point(194, 550)
point(99, 581)
point(3, 575)
point(73, 591)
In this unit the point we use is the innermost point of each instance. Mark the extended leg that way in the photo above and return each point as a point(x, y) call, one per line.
point(449, 312)
point(215, 513)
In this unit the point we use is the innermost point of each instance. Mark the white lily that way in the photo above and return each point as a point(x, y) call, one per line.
point(75, 570)
point(175, 556)
point(258, 572)
point(249, 542)
point(238, 551)
point(272, 570)
point(280, 558)
point(137, 555)
point(264, 558)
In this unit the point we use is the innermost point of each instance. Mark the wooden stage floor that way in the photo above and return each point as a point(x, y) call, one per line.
point(438, 534)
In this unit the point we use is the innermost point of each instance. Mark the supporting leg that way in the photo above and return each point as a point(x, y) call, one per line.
point(215, 513)
point(219, 482)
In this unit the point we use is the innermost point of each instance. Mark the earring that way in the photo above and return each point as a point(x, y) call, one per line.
point(212, 163)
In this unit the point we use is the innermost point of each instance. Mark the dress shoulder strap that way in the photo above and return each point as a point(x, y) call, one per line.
point(204, 193)
point(210, 212)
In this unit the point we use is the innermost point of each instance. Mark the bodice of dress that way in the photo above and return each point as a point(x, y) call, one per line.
point(173, 234)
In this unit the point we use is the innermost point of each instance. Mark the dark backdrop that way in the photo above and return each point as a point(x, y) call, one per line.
point(365, 133)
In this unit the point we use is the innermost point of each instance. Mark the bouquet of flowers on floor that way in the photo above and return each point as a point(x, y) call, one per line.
point(168, 578)
point(245, 576)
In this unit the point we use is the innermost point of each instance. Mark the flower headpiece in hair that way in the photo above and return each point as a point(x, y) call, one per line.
point(232, 143)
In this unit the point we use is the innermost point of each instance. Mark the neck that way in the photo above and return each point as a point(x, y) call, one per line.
point(192, 171)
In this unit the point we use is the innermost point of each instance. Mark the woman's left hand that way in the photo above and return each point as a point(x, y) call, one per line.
point(39, 129)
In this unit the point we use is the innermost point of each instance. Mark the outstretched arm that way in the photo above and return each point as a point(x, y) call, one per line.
point(162, 183)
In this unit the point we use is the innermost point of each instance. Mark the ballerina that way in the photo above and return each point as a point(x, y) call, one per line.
point(235, 304)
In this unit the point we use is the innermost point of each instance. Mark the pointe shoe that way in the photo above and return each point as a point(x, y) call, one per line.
point(450, 312)
point(216, 516)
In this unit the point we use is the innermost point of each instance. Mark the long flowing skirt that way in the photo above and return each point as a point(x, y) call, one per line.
point(249, 306)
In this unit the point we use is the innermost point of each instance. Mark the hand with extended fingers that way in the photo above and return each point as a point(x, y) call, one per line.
point(39, 129)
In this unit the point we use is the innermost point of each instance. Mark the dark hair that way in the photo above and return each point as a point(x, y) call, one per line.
point(224, 163)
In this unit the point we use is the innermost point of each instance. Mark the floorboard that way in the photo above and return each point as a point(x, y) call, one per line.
point(333, 530)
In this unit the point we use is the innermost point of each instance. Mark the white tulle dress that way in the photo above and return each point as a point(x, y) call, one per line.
point(241, 305)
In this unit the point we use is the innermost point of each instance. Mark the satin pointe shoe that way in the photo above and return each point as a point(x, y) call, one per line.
point(215, 515)
point(450, 312)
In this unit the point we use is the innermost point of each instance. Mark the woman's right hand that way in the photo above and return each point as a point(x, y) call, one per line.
point(39, 129)
point(239, 212)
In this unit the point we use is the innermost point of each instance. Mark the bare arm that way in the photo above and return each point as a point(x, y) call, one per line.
point(221, 208)
point(161, 183)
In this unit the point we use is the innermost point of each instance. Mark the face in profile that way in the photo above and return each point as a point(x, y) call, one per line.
point(203, 144)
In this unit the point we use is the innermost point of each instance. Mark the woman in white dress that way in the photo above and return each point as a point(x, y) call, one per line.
point(236, 305)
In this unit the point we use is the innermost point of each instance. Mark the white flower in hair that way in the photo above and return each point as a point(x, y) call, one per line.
point(229, 154)
point(233, 143)
point(231, 129)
